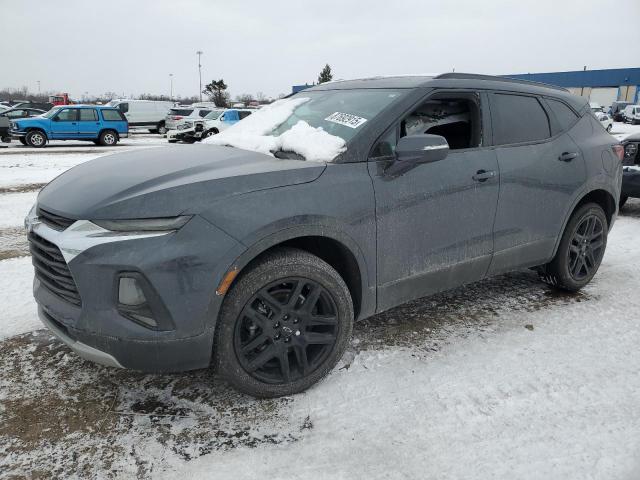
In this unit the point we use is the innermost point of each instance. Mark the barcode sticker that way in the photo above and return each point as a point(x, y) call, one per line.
point(346, 119)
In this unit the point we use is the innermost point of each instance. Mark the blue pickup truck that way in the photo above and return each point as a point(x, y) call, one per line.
point(100, 124)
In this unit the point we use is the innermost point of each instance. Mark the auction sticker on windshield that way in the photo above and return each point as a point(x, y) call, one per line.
point(346, 119)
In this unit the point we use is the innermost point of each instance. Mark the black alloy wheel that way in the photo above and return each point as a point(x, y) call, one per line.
point(286, 330)
point(586, 248)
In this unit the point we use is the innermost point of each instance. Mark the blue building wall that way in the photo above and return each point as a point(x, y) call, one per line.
point(613, 77)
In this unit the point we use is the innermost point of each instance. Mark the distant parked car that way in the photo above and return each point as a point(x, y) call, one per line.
point(46, 106)
point(102, 125)
point(5, 136)
point(616, 110)
point(177, 116)
point(215, 122)
point(631, 114)
point(144, 113)
point(630, 168)
point(22, 112)
point(605, 120)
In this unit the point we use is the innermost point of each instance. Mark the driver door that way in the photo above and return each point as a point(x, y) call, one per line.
point(435, 220)
point(65, 123)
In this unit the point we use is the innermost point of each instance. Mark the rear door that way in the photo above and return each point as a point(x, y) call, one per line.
point(65, 124)
point(88, 123)
point(541, 171)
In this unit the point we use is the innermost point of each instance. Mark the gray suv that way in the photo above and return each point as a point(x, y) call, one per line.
point(255, 255)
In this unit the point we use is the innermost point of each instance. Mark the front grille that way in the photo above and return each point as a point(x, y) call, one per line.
point(54, 221)
point(199, 127)
point(52, 270)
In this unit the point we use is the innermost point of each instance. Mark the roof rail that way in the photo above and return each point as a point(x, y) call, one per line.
point(473, 76)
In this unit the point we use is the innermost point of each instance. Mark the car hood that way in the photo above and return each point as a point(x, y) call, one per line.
point(632, 138)
point(167, 181)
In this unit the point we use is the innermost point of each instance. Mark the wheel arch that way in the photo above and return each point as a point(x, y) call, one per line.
point(599, 196)
point(38, 128)
point(338, 250)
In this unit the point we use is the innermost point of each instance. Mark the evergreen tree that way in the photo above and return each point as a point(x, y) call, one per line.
point(325, 74)
point(217, 92)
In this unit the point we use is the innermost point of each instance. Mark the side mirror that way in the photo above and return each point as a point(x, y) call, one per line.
point(422, 148)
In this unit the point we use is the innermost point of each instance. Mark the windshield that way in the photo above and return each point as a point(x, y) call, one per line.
point(51, 112)
point(316, 125)
point(213, 115)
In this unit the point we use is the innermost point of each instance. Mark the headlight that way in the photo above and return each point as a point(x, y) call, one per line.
point(144, 224)
point(14, 125)
point(630, 150)
point(185, 125)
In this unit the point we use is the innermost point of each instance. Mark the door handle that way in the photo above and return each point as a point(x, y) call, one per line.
point(483, 175)
point(567, 156)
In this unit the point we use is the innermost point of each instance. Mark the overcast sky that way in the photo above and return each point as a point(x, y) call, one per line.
point(131, 46)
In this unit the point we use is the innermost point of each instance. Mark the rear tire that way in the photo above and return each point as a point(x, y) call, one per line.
point(284, 325)
point(209, 133)
point(108, 138)
point(609, 127)
point(580, 251)
point(36, 139)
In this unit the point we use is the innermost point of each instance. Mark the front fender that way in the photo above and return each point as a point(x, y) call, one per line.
point(276, 234)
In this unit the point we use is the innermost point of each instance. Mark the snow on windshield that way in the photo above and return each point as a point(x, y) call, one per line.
point(314, 144)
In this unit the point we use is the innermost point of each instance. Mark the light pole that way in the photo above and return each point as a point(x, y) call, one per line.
point(171, 86)
point(38, 87)
point(199, 53)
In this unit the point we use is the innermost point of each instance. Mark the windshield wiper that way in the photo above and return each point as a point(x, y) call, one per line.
point(288, 155)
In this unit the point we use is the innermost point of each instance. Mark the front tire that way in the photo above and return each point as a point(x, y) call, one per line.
point(36, 139)
point(580, 251)
point(284, 325)
point(609, 127)
point(22, 141)
point(108, 138)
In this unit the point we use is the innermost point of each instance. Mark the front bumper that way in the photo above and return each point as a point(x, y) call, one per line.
point(183, 268)
point(631, 182)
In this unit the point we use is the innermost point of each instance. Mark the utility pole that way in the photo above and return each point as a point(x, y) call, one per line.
point(38, 87)
point(199, 53)
point(171, 86)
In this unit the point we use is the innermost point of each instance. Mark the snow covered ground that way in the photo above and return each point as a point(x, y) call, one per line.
point(502, 379)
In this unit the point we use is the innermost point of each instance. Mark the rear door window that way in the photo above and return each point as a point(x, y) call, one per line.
point(565, 116)
point(518, 119)
point(88, 115)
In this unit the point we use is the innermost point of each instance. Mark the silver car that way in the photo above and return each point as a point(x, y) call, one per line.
point(181, 114)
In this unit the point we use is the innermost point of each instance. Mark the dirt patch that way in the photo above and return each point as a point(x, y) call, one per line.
point(27, 187)
point(13, 243)
point(422, 324)
point(61, 416)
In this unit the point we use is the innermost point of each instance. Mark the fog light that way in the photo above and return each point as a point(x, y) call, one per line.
point(130, 293)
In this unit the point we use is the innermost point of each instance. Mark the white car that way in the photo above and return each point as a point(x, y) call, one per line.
point(631, 114)
point(178, 116)
point(215, 122)
point(605, 120)
point(148, 114)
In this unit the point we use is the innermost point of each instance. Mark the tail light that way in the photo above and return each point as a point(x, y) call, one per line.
point(619, 151)
point(177, 117)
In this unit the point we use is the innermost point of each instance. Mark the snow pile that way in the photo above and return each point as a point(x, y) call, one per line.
point(253, 134)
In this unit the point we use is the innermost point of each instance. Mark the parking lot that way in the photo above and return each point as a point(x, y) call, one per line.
point(497, 379)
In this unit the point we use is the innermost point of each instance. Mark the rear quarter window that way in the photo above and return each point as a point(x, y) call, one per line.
point(113, 116)
point(564, 115)
point(518, 119)
point(180, 111)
